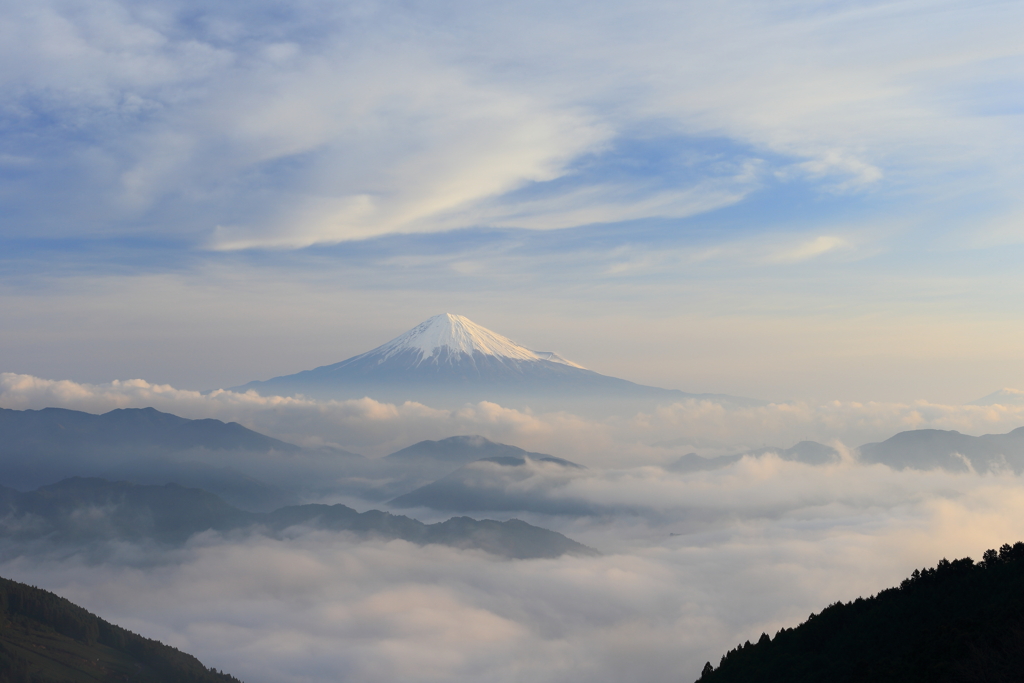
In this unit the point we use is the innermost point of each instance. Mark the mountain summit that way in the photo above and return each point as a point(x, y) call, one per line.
point(449, 360)
point(451, 339)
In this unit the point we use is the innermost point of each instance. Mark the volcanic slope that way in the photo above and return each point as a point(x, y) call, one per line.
point(449, 360)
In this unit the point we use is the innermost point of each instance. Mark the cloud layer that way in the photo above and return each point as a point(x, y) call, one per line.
point(288, 126)
point(693, 563)
point(731, 554)
point(375, 428)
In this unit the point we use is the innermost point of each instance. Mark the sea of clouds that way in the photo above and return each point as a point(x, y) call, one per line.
point(373, 428)
point(692, 563)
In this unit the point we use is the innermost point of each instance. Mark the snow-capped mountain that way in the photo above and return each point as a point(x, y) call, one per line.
point(453, 339)
point(449, 360)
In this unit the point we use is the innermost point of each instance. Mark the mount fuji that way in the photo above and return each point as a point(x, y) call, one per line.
point(449, 360)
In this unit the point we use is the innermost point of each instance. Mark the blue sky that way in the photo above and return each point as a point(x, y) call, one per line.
point(797, 199)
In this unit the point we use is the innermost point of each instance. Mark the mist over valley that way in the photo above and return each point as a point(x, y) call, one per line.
point(649, 524)
point(487, 342)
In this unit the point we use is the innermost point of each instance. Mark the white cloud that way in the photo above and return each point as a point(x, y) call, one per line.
point(343, 123)
point(694, 563)
point(376, 428)
point(759, 546)
point(822, 244)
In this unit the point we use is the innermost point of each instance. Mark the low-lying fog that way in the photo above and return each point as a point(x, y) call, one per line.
point(693, 563)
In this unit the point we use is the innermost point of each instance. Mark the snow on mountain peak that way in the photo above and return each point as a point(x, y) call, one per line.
point(459, 334)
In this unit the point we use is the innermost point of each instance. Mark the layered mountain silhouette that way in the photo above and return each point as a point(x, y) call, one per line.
point(83, 511)
point(144, 445)
point(960, 621)
point(449, 360)
point(47, 639)
point(461, 473)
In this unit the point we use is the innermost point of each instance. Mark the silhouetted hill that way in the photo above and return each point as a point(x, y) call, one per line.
point(146, 446)
point(59, 430)
point(492, 484)
point(959, 622)
point(456, 449)
point(47, 639)
point(426, 461)
point(81, 511)
point(935, 448)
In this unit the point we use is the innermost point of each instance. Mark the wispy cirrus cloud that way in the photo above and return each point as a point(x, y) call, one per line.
point(326, 124)
point(810, 249)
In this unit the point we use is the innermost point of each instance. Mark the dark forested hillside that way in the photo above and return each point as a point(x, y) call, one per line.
point(47, 639)
point(960, 621)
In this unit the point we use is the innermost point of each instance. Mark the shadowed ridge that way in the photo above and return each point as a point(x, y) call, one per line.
point(62, 430)
point(513, 539)
point(959, 621)
point(927, 449)
point(493, 485)
point(458, 449)
point(47, 639)
point(82, 513)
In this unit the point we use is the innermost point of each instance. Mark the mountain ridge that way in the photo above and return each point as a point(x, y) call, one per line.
point(83, 511)
point(949, 450)
point(50, 428)
point(960, 621)
point(45, 638)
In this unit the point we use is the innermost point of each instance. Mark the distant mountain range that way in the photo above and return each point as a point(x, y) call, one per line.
point(449, 360)
point(926, 449)
point(47, 639)
point(257, 473)
point(82, 511)
point(144, 445)
point(138, 429)
point(960, 621)
point(920, 449)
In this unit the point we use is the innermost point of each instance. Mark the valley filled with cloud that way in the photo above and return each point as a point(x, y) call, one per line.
point(761, 263)
point(691, 562)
